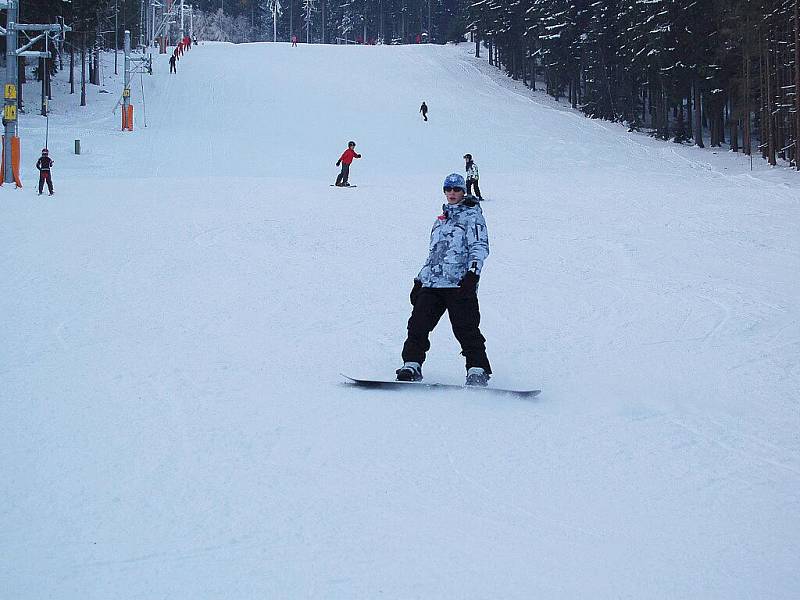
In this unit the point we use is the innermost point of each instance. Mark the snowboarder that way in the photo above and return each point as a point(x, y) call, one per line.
point(44, 164)
point(345, 160)
point(172, 68)
point(294, 40)
point(472, 177)
point(449, 282)
point(424, 110)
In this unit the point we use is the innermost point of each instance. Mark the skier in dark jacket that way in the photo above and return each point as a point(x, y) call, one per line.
point(345, 160)
point(424, 110)
point(472, 176)
point(172, 68)
point(44, 164)
point(449, 282)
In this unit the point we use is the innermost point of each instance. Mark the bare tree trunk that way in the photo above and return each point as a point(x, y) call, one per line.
point(770, 118)
point(665, 113)
point(797, 83)
point(96, 56)
point(746, 141)
point(698, 122)
point(780, 99)
point(762, 133)
point(83, 70)
point(689, 118)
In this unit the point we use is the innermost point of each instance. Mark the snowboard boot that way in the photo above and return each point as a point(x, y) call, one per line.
point(477, 376)
point(410, 371)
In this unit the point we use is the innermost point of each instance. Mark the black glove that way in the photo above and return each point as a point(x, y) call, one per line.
point(338, 163)
point(415, 292)
point(469, 283)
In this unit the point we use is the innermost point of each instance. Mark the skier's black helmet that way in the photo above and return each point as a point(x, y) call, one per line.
point(468, 156)
point(351, 144)
point(44, 151)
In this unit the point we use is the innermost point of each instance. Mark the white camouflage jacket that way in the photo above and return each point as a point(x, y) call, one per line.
point(459, 242)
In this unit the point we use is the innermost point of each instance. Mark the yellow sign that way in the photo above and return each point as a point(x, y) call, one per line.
point(10, 112)
point(10, 91)
point(126, 93)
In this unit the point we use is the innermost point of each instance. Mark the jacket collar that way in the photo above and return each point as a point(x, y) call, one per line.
point(467, 202)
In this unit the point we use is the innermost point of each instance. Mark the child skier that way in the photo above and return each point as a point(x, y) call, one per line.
point(345, 160)
point(472, 176)
point(449, 282)
point(43, 164)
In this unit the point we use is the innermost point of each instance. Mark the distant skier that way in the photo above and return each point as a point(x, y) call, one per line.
point(345, 160)
point(44, 164)
point(424, 110)
point(294, 40)
point(172, 68)
point(449, 282)
point(472, 177)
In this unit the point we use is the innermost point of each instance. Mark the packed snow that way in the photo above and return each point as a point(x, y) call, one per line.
point(173, 423)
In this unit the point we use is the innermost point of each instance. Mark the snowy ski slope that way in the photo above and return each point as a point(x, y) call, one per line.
point(174, 319)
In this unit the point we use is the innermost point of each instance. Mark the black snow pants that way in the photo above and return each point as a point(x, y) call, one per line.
point(465, 317)
point(473, 182)
point(341, 179)
point(44, 177)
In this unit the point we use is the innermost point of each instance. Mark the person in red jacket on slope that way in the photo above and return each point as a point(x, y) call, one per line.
point(344, 160)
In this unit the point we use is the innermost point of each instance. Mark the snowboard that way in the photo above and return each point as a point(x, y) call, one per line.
point(343, 186)
point(385, 384)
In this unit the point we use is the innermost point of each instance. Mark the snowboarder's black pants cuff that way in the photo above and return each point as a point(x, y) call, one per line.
point(462, 308)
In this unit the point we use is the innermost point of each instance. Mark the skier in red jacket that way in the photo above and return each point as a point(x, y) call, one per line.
point(344, 160)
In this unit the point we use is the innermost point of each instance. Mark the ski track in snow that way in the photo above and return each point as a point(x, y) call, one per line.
point(172, 419)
